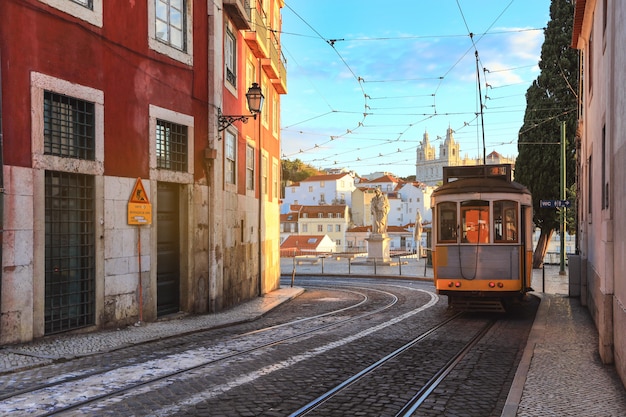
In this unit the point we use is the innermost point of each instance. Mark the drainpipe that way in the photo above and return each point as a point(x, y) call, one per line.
point(261, 194)
point(1, 186)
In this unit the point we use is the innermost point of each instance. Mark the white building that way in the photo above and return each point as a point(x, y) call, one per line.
point(600, 34)
point(320, 190)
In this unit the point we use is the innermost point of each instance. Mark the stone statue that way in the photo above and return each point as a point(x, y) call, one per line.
point(379, 210)
point(417, 232)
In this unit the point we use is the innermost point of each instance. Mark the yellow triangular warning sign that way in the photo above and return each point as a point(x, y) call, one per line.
point(139, 194)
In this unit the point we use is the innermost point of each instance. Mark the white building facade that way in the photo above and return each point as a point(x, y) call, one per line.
point(600, 34)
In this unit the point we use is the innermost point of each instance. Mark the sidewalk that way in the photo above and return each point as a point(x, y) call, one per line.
point(560, 373)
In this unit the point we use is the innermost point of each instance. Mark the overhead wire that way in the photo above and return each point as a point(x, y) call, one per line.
point(369, 111)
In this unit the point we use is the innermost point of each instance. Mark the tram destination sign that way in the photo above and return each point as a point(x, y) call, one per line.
point(554, 203)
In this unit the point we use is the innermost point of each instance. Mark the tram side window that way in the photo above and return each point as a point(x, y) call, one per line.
point(447, 222)
point(505, 221)
point(475, 221)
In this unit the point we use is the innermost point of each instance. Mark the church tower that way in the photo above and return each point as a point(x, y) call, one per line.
point(449, 150)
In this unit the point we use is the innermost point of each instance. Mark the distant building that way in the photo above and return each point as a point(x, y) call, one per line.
point(330, 189)
point(429, 165)
point(307, 245)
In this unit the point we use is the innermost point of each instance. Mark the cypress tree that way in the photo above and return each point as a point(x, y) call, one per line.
point(550, 100)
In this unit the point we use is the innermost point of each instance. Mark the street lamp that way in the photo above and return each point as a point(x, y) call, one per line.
point(255, 97)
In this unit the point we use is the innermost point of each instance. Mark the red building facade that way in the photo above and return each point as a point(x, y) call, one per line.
point(94, 96)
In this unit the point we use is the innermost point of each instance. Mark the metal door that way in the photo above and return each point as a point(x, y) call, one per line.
point(168, 249)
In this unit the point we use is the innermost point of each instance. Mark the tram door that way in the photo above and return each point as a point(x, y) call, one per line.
point(168, 249)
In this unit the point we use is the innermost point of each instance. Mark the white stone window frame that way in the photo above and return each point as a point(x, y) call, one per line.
point(230, 135)
point(166, 175)
point(186, 56)
point(39, 83)
point(251, 168)
point(93, 15)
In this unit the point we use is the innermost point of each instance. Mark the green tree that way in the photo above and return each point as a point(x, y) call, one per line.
point(295, 171)
point(550, 100)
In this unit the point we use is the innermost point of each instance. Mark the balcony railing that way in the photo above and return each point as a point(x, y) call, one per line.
point(257, 37)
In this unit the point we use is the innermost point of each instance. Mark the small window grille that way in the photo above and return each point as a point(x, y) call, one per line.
point(69, 126)
point(171, 143)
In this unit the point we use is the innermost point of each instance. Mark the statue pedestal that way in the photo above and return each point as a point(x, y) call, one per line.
point(378, 248)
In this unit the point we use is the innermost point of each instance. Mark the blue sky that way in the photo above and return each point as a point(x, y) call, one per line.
point(367, 79)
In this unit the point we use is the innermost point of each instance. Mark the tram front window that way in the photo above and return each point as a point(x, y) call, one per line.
point(505, 221)
point(447, 222)
point(475, 221)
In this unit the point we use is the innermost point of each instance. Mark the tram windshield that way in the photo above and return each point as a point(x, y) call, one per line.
point(447, 222)
point(475, 221)
point(505, 221)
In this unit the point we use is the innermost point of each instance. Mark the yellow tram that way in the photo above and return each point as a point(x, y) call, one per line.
point(481, 237)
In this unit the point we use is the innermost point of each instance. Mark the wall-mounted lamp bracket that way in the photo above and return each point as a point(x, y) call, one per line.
point(225, 120)
point(254, 97)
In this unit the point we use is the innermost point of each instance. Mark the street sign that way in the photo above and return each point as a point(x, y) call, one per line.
point(139, 207)
point(554, 203)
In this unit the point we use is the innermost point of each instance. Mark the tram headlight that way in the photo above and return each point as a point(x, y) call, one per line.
point(457, 284)
point(500, 285)
point(492, 284)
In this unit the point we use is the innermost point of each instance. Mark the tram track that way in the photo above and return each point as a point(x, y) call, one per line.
point(42, 393)
point(326, 404)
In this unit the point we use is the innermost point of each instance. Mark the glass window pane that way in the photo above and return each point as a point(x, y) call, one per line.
point(176, 38)
point(447, 222)
point(176, 19)
point(475, 221)
point(161, 30)
point(161, 10)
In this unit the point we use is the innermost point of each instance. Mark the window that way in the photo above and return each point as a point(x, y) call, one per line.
point(170, 29)
point(88, 10)
point(230, 57)
point(329, 228)
point(69, 126)
point(505, 221)
point(305, 228)
point(265, 173)
point(320, 215)
point(446, 214)
point(320, 228)
point(310, 188)
point(86, 3)
point(605, 183)
point(322, 198)
point(275, 114)
point(171, 146)
point(475, 221)
point(250, 168)
point(170, 23)
point(275, 179)
point(337, 228)
point(322, 184)
point(230, 165)
point(330, 215)
point(338, 242)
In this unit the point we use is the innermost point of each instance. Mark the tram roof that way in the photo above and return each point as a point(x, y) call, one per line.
point(480, 185)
